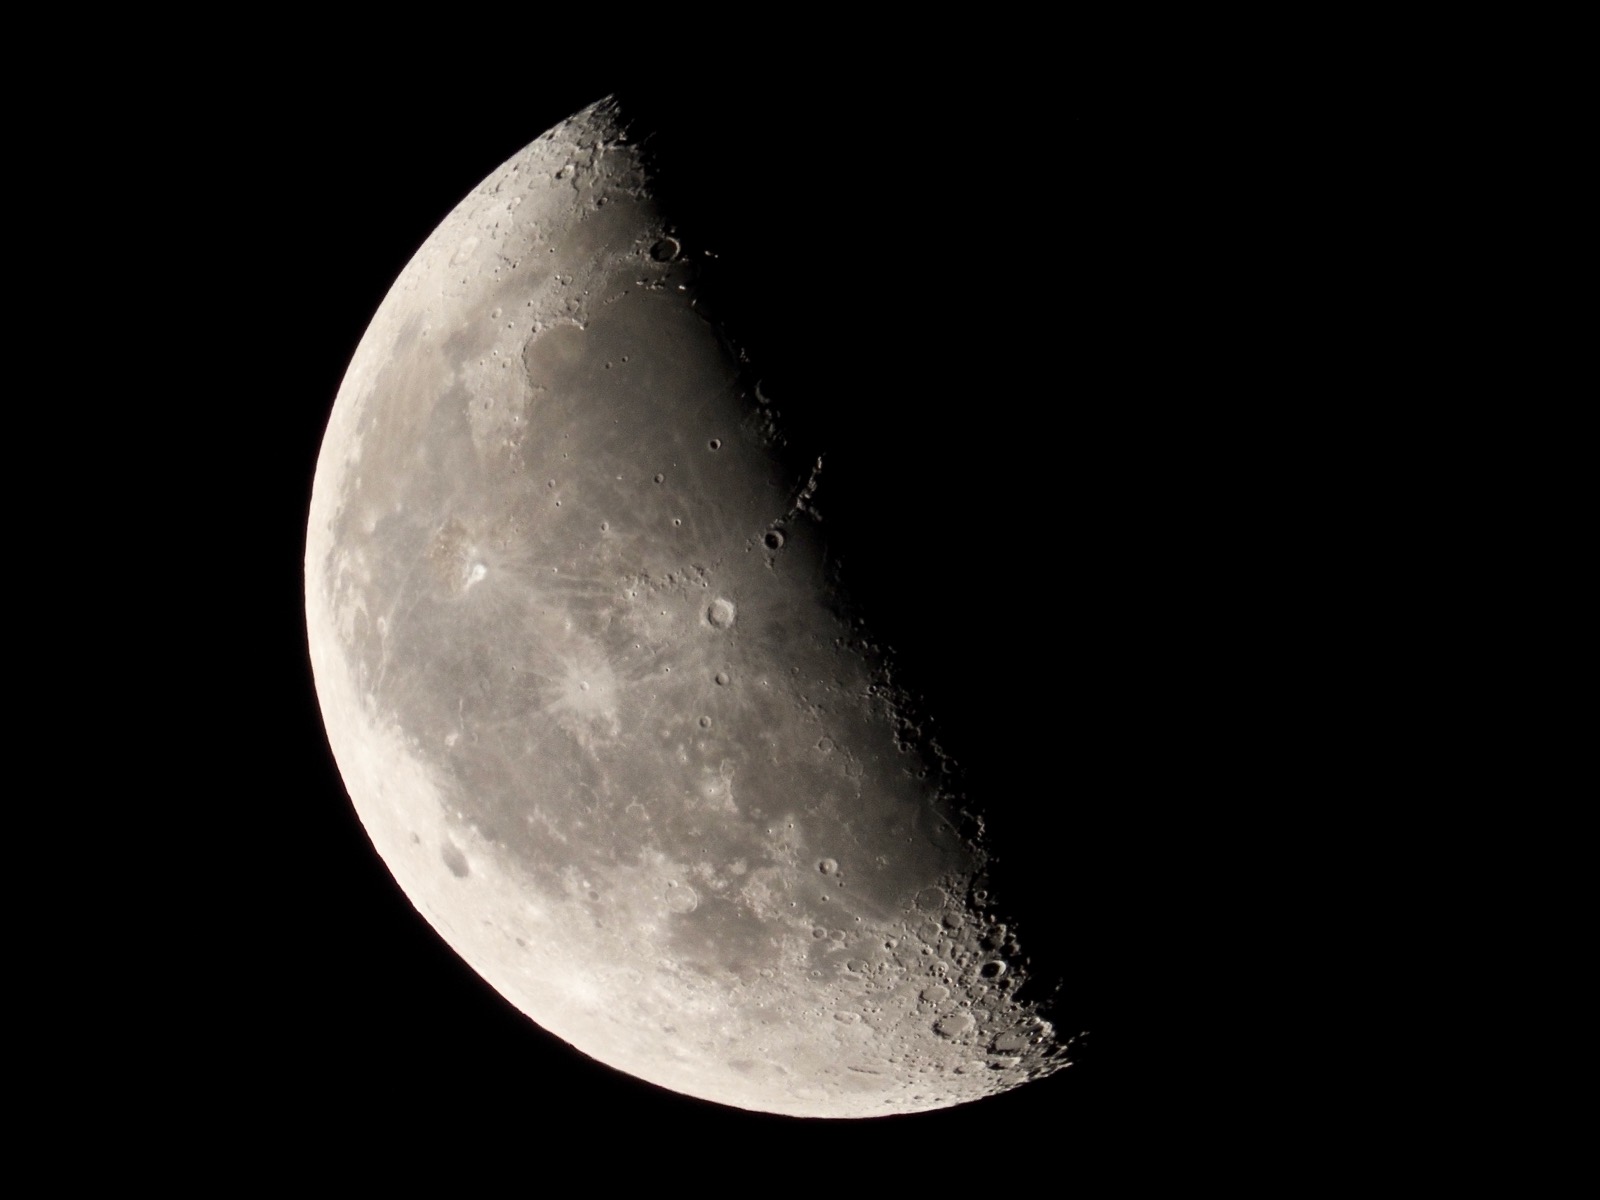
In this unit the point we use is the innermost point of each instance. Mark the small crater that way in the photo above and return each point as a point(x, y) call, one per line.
point(849, 1018)
point(667, 249)
point(681, 898)
point(773, 540)
point(828, 866)
point(721, 613)
point(931, 899)
point(705, 722)
point(714, 444)
point(954, 1025)
point(660, 477)
point(454, 859)
point(992, 970)
point(722, 679)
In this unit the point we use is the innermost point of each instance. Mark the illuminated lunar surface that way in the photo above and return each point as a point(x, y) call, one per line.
point(596, 696)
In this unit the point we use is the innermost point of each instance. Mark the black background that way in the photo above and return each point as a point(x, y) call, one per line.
point(992, 304)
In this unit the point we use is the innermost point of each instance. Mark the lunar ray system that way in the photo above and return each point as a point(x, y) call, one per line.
point(587, 674)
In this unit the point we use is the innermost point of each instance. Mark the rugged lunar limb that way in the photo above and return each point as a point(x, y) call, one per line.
point(590, 684)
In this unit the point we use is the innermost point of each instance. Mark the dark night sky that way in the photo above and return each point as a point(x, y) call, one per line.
point(979, 277)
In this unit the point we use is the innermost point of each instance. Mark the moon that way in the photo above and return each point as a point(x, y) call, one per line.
point(601, 692)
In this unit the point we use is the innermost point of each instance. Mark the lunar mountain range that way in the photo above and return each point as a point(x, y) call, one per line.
point(601, 691)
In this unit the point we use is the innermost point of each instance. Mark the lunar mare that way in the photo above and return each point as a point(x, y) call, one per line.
point(589, 682)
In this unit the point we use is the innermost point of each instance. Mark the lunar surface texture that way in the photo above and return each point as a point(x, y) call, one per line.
point(599, 692)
